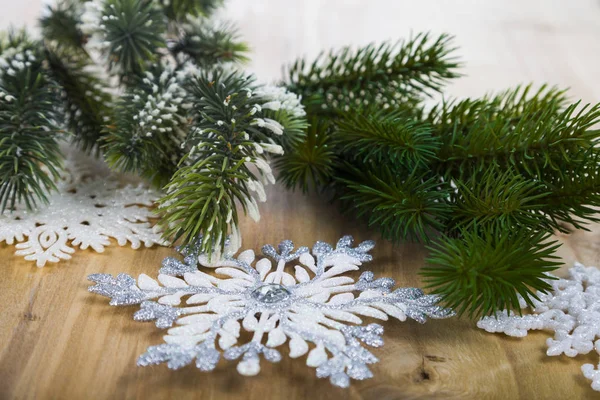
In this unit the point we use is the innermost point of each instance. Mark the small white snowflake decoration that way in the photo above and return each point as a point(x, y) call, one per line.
point(90, 207)
point(313, 302)
point(571, 310)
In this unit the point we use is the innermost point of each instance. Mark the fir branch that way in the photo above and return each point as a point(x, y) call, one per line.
point(128, 32)
point(401, 205)
point(513, 104)
point(230, 99)
point(524, 100)
point(382, 137)
point(504, 199)
point(388, 74)
point(86, 99)
point(520, 160)
point(387, 137)
point(60, 25)
point(285, 107)
point(528, 134)
point(482, 271)
point(203, 196)
point(182, 10)
point(29, 154)
point(294, 126)
point(208, 44)
point(151, 126)
point(226, 166)
point(574, 191)
point(309, 163)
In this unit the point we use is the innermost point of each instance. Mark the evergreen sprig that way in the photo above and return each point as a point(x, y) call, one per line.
point(229, 136)
point(574, 191)
point(208, 44)
point(87, 101)
point(389, 74)
point(401, 204)
point(485, 173)
point(388, 138)
point(311, 162)
point(183, 10)
point(61, 25)
point(460, 116)
point(502, 199)
point(150, 127)
point(529, 138)
point(484, 270)
point(29, 154)
point(140, 123)
point(132, 31)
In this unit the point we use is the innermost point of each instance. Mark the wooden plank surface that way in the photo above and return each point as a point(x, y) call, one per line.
point(57, 341)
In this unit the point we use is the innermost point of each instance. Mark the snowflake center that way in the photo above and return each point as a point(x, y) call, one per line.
point(271, 293)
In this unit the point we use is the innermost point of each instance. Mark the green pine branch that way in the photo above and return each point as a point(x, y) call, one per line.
point(183, 10)
point(403, 205)
point(484, 269)
point(60, 25)
point(30, 158)
point(528, 134)
point(389, 74)
point(203, 196)
point(87, 102)
point(486, 172)
point(150, 127)
point(226, 166)
point(311, 162)
point(547, 200)
point(208, 44)
point(502, 199)
point(461, 116)
point(574, 191)
point(131, 32)
point(389, 138)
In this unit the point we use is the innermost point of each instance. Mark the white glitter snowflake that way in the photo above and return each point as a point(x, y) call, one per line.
point(315, 302)
point(89, 207)
point(571, 310)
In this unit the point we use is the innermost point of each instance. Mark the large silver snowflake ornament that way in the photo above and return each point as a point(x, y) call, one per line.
point(89, 207)
point(313, 302)
point(571, 310)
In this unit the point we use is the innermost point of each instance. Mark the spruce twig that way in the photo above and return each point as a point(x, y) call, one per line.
point(227, 165)
point(389, 74)
point(484, 269)
point(30, 158)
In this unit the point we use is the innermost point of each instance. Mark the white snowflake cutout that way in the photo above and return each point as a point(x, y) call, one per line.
point(90, 207)
point(314, 303)
point(571, 310)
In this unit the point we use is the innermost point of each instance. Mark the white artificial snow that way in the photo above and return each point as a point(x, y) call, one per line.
point(89, 207)
point(279, 98)
point(91, 24)
point(571, 310)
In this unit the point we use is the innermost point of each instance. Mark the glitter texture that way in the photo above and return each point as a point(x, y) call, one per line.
point(310, 304)
point(90, 207)
point(571, 310)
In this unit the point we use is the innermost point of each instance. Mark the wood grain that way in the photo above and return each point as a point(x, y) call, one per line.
point(57, 341)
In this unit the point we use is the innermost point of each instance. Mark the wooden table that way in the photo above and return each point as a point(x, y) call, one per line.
point(57, 341)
